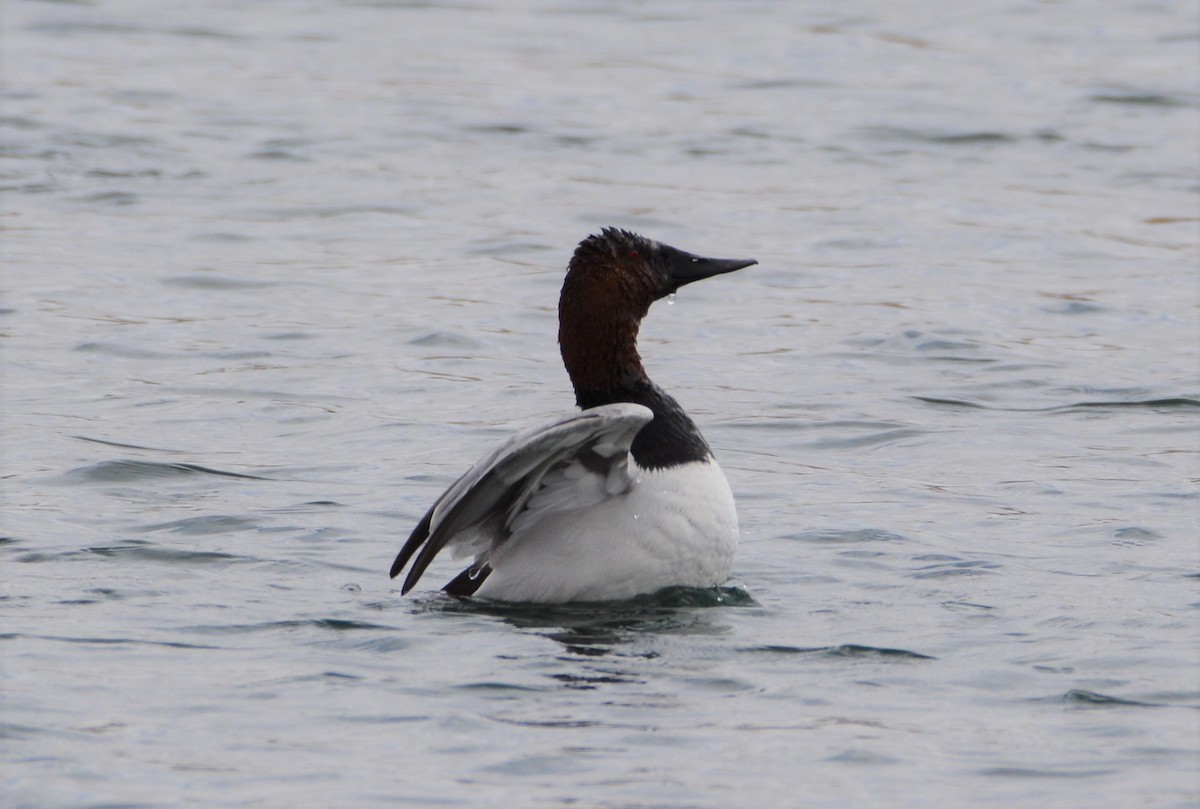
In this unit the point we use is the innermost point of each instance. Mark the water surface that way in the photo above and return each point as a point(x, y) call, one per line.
point(275, 274)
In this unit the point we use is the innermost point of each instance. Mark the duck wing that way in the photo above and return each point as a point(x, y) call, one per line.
point(572, 462)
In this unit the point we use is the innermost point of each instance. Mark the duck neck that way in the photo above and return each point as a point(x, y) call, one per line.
point(600, 352)
point(599, 349)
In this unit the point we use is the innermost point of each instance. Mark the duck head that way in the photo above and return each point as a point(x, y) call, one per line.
point(612, 279)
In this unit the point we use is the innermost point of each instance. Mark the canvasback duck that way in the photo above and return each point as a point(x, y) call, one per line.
point(620, 499)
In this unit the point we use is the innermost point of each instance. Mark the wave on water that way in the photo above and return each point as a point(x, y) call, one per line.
point(107, 641)
point(1079, 697)
point(137, 550)
point(126, 471)
point(842, 650)
point(1167, 403)
point(327, 624)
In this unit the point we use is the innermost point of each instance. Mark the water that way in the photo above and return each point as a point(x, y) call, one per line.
point(276, 273)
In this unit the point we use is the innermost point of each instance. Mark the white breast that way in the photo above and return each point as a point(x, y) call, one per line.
point(676, 526)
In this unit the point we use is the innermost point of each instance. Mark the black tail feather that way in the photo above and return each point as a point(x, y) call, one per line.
point(415, 540)
point(465, 584)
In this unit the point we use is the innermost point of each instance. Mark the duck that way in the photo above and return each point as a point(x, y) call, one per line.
point(617, 499)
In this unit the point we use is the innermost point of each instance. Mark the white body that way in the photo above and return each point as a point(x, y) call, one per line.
point(676, 526)
point(562, 512)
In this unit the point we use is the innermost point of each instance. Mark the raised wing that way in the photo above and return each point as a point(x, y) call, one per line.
point(579, 458)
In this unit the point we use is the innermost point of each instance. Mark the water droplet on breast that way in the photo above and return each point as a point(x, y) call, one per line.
point(671, 299)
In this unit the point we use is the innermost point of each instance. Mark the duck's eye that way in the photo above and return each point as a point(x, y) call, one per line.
point(634, 254)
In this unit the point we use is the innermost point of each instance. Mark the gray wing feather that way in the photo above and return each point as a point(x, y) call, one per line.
point(480, 508)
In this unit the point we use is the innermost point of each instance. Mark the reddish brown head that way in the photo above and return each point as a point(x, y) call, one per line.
point(611, 281)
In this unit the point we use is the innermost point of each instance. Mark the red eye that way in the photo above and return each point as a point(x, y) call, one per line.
point(633, 254)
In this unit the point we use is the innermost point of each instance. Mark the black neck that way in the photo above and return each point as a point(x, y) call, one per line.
point(671, 439)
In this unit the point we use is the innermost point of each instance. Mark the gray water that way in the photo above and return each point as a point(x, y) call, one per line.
point(276, 273)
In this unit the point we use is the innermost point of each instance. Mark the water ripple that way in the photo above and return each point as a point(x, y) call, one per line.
point(843, 650)
point(845, 536)
point(127, 471)
point(329, 624)
point(137, 550)
point(216, 282)
point(1094, 699)
point(202, 526)
point(1167, 403)
point(106, 641)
